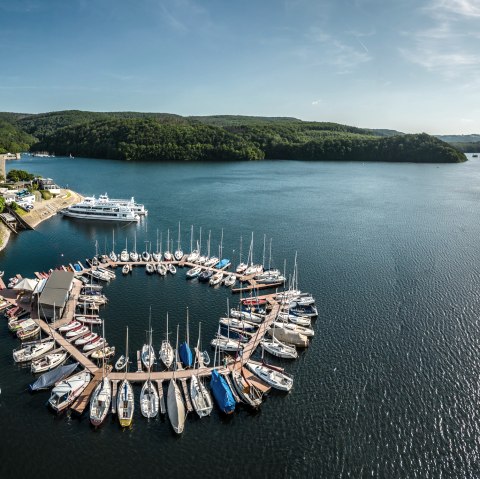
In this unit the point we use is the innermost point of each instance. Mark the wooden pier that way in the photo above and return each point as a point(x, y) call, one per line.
point(82, 401)
point(161, 397)
point(186, 394)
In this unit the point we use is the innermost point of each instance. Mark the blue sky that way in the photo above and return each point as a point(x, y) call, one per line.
point(406, 65)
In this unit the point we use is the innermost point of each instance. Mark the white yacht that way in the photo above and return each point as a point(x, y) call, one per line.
point(95, 209)
point(137, 208)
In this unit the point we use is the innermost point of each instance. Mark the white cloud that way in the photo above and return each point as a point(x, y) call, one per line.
point(466, 8)
point(448, 45)
point(324, 48)
point(316, 102)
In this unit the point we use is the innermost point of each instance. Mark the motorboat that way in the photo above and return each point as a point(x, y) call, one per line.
point(216, 279)
point(194, 272)
point(126, 269)
point(104, 353)
point(77, 332)
point(67, 391)
point(86, 339)
point(32, 351)
point(92, 320)
point(121, 363)
point(94, 344)
point(204, 276)
point(48, 362)
point(230, 280)
point(27, 333)
point(172, 269)
point(161, 269)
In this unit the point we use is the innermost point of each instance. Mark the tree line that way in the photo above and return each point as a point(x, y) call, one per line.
point(137, 136)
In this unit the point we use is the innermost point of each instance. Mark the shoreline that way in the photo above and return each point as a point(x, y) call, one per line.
point(44, 209)
point(4, 235)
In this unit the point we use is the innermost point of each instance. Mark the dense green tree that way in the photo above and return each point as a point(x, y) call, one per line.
point(137, 136)
point(19, 175)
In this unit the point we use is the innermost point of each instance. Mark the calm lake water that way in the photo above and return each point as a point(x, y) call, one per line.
point(390, 384)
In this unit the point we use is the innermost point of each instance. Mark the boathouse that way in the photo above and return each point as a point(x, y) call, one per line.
point(55, 294)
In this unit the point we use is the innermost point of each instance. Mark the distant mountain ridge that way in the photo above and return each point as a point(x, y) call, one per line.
point(138, 136)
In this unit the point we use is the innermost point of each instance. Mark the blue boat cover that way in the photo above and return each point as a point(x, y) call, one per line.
point(51, 377)
point(186, 355)
point(222, 264)
point(222, 393)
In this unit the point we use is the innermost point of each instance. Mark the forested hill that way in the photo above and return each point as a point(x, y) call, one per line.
point(166, 137)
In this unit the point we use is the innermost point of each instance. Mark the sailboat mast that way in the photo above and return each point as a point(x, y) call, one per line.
point(208, 246)
point(191, 238)
point(263, 260)
point(200, 246)
point(240, 262)
point(221, 246)
point(270, 256)
point(188, 334)
point(126, 355)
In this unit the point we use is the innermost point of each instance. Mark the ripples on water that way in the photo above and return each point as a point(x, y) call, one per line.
point(389, 386)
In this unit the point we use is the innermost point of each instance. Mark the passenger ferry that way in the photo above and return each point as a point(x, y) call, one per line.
point(95, 209)
point(137, 208)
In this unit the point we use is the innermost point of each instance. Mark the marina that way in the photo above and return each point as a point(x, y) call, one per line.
point(69, 324)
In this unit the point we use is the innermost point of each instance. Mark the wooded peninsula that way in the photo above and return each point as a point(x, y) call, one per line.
point(167, 137)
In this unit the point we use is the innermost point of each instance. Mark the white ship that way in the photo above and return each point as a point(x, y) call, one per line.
point(94, 209)
point(137, 208)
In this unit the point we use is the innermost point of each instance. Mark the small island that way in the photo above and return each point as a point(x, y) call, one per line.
point(160, 137)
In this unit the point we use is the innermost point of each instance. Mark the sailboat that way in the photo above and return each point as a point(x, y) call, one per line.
point(194, 253)
point(113, 256)
point(272, 376)
point(146, 254)
point(148, 353)
point(248, 393)
point(242, 266)
point(166, 351)
point(124, 256)
point(277, 348)
point(149, 396)
point(185, 352)
point(252, 268)
point(168, 255)
point(201, 398)
point(125, 401)
point(134, 254)
point(102, 395)
point(201, 258)
point(179, 252)
point(221, 391)
point(157, 256)
point(175, 404)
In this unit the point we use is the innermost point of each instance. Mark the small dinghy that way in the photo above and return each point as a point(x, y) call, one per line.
point(121, 363)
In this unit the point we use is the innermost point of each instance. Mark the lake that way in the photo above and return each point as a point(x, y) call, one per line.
point(390, 384)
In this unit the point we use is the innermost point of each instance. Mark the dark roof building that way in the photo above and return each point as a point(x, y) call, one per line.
point(55, 294)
